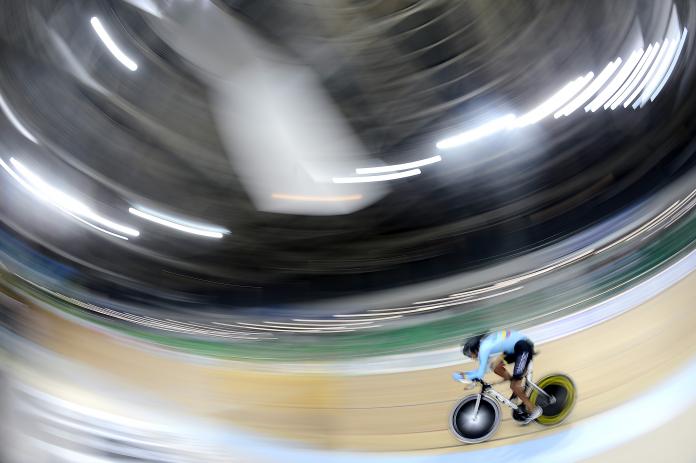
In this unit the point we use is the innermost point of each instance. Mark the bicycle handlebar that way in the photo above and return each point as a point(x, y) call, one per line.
point(459, 377)
point(482, 382)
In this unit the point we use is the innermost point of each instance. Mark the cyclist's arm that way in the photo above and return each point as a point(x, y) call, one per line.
point(483, 357)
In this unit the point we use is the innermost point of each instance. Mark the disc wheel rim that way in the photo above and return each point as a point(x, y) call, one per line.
point(470, 432)
point(561, 387)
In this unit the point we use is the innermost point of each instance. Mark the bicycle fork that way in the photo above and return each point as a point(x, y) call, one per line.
point(550, 398)
point(531, 383)
point(476, 407)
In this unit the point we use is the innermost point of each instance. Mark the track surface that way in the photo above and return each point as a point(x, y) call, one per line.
point(610, 363)
point(673, 442)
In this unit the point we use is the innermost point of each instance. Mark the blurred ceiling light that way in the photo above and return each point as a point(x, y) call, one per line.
point(627, 82)
point(558, 99)
point(324, 199)
point(640, 78)
point(13, 119)
point(644, 74)
point(671, 66)
point(660, 70)
point(96, 227)
point(177, 224)
point(590, 90)
point(397, 167)
point(484, 130)
point(148, 6)
point(111, 45)
point(616, 82)
point(377, 178)
point(66, 203)
point(642, 68)
point(649, 75)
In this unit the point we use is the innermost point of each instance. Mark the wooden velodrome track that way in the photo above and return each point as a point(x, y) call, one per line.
point(611, 363)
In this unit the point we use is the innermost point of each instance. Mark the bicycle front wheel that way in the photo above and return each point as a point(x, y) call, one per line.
point(562, 389)
point(470, 427)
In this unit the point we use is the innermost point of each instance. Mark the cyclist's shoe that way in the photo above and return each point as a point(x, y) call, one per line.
point(520, 415)
point(533, 415)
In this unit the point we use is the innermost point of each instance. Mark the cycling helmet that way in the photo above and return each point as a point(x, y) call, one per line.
point(471, 345)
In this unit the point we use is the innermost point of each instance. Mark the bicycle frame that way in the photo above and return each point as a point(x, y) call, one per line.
point(493, 394)
point(488, 391)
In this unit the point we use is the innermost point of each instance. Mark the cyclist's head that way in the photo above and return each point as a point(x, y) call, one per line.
point(470, 348)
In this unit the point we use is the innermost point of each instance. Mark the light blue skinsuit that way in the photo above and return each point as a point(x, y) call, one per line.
point(493, 344)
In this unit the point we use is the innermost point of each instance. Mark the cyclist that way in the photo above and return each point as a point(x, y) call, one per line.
point(511, 346)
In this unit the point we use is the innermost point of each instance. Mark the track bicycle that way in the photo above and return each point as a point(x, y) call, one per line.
point(476, 417)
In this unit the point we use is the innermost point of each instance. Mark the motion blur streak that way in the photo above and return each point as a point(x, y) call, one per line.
point(640, 71)
point(659, 74)
point(111, 45)
point(28, 187)
point(627, 82)
point(590, 90)
point(405, 166)
point(671, 66)
point(66, 203)
point(13, 119)
point(91, 225)
point(439, 306)
point(377, 178)
point(325, 321)
point(653, 68)
point(556, 101)
point(176, 225)
point(316, 198)
point(615, 83)
point(484, 130)
point(270, 240)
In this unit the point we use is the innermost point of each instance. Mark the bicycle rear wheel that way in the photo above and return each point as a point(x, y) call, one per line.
point(560, 387)
point(472, 429)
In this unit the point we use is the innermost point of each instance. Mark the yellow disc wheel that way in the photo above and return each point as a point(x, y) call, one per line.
point(561, 388)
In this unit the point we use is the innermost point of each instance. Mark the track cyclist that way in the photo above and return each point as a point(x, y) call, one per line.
point(510, 347)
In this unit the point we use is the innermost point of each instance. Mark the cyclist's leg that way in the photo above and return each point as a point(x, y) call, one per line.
point(524, 351)
point(516, 386)
point(500, 369)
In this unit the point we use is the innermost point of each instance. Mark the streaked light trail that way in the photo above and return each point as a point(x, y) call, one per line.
point(377, 178)
point(111, 45)
point(660, 72)
point(321, 199)
point(558, 99)
point(484, 130)
point(397, 167)
point(62, 201)
point(13, 119)
point(671, 67)
point(178, 225)
point(649, 74)
point(642, 55)
point(634, 79)
point(590, 90)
